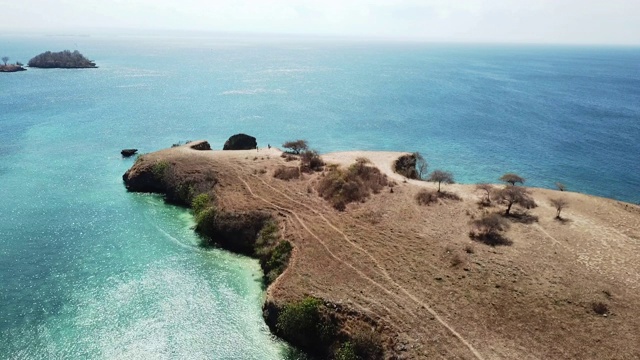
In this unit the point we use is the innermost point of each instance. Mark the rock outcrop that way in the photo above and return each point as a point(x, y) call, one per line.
point(240, 142)
point(202, 145)
point(128, 152)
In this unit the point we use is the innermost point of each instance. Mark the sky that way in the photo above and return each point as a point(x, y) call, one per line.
point(502, 21)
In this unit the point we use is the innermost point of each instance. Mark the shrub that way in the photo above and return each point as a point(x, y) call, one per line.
point(426, 197)
point(487, 230)
point(346, 352)
point(159, 170)
point(469, 249)
point(303, 324)
point(341, 187)
point(205, 220)
point(600, 308)
point(286, 173)
point(310, 160)
point(200, 203)
point(277, 261)
point(367, 344)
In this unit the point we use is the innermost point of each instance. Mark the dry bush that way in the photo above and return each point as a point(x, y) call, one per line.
point(310, 161)
point(426, 197)
point(487, 230)
point(449, 196)
point(354, 184)
point(600, 308)
point(286, 173)
point(456, 260)
point(469, 249)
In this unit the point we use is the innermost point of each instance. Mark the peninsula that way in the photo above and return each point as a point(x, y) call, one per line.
point(396, 276)
point(64, 59)
point(11, 68)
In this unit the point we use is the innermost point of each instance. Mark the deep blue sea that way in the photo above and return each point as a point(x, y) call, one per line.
point(90, 271)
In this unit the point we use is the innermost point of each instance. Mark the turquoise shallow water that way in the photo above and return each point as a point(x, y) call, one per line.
point(90, 271)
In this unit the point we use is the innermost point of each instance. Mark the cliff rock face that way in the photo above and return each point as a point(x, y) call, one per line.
point(240, 142)
point(234, 231)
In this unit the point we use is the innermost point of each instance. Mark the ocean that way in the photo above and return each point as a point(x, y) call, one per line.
point(90, 271)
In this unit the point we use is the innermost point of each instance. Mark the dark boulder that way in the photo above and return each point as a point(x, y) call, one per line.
point(240, 142)
point(200, 145)
point(128, 152)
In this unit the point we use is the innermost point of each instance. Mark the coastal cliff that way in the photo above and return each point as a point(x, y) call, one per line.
point(387, 277)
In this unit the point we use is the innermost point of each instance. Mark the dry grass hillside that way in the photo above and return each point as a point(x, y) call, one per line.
point(433, 291)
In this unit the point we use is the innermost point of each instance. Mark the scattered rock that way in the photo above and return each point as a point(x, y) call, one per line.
point(128, 152)
point(200, 145)
point(240, 142)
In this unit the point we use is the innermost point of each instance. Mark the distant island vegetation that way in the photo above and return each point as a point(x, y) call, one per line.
point(64, 59)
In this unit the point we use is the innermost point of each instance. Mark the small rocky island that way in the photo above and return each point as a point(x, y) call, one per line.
point(63, 60)
point(10, 67)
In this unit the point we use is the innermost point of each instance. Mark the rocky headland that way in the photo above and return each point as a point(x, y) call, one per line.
point(388, 276)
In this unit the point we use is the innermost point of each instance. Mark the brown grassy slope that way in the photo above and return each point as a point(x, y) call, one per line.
point(441, 295)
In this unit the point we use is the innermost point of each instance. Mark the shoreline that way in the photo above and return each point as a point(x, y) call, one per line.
point(245, 184)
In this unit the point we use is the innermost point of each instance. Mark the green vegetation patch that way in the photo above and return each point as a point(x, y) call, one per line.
point(303, 324)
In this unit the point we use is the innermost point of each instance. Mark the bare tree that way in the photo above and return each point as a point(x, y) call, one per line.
point(440, 177)
point(559, 204)
point(511, 178)
point(517, 195)
point(5, 59)
point(296, 146)
point(560, 186)
point(487, 188)
point(421, 165)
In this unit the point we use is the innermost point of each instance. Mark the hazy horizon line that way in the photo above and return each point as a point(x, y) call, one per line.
point(168, 32)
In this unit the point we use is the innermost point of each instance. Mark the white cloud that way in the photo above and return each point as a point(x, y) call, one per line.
point(613, 21)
